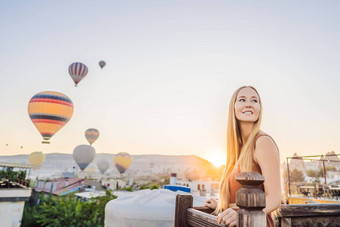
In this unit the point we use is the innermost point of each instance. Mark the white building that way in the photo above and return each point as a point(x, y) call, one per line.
point(202, 188)
point(13, 196)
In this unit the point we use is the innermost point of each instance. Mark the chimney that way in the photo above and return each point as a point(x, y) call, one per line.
point(173, 178)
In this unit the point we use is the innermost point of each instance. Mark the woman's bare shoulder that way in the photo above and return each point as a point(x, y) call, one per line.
point(265, 138)
point(265, 146)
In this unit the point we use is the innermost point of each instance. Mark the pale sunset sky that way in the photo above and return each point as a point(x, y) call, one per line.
point(172, 67)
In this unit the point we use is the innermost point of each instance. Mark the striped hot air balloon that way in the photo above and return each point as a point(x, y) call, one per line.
point(91, 135)
point(122, 161)
point(49, 112)
point(77, 72)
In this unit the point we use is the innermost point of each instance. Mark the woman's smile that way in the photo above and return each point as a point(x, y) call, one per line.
point(248, 112)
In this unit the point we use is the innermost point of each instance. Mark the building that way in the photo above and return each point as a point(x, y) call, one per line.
point(60, 186)
point(13, 193)
point(201, 188)
point(113, 184)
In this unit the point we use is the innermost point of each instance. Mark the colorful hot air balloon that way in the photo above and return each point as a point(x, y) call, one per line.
point(49, 112)
point(102, 64)
point(36, 158)
point(91, 135)
point(83, 155)
point(77, 72)
point(103, 164)
point(122, 161)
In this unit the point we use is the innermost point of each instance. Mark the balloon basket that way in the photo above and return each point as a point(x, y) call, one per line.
point(45, 142)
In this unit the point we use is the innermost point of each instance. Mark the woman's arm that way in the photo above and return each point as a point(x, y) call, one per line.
point(267, 156)
point(211, 203)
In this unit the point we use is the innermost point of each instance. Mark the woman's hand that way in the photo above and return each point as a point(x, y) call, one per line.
point(212, 203)
point(229, 217)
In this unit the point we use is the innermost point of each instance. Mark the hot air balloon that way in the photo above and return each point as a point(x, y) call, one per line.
point(102, 64)
point(91, 135)
point(83, 155)
point(49, 112)
point(122, 161)
point(91, 168)
point(103, 164)
point(77, 72)
point(36, 158)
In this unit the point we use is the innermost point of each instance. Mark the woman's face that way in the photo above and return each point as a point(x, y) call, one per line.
point(247, 105)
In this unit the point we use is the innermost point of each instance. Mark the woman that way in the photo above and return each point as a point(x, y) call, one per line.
point(248, 150)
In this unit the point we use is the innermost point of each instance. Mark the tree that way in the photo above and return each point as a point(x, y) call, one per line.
point(330, 168)
point(66, 211)
point(12, 175)
point(296, 176)
point(149, 186)
point(312, 173)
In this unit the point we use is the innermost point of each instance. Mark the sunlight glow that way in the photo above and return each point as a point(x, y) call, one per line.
point(216, 157)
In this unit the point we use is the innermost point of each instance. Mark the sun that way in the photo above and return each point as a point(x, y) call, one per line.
point(216, 157)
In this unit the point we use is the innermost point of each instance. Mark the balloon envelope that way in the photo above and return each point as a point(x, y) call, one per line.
point(77, 71)
point(83, 155)
point(91, 135)
point(103, 164)
point(122, 161)
point(102, 64)
point(92, 168)
point(49, 112)
point(36, 158)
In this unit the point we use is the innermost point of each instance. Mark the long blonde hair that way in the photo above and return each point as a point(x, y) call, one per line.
point(238, 151)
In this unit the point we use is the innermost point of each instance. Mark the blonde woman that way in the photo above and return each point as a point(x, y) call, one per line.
point(248, 150)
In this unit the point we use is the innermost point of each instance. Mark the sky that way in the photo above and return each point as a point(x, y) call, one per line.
point(172, 67)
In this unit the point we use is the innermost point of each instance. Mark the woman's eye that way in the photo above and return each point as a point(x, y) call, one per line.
point(242, 100)
point(254, 100)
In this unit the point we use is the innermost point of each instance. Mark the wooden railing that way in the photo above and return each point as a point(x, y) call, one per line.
point(250, 200)
point(6, 183)
point(309, 215)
